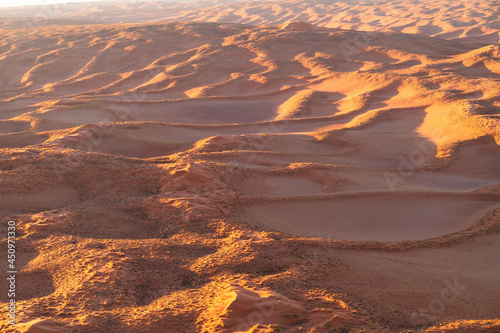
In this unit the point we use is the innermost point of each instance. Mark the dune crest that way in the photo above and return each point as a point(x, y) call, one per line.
point(281, 166)
point(464, 20)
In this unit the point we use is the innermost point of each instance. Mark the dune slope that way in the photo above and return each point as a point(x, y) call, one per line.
point(224, 177)
point(474, 21)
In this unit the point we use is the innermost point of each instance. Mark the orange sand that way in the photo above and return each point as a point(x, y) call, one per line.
point(291, 166)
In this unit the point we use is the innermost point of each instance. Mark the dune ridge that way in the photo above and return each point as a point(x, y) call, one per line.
point(474, 22)
point(208, 176)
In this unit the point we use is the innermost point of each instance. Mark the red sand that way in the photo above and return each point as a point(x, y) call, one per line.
point(284, 177)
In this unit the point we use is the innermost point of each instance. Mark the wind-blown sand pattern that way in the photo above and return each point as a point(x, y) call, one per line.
point(311, 167)
point(474, 21)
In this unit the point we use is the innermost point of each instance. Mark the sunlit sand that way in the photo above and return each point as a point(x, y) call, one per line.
point(277, 166)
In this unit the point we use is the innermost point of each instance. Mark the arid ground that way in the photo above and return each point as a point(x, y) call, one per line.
point(276, 166)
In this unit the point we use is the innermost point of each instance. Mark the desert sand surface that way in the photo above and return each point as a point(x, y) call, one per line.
point(475, 21)
point(277, 166)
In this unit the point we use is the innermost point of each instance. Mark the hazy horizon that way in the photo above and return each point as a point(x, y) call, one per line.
point(6, 3)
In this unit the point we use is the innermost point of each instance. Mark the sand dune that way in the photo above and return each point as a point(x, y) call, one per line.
point(288, 166)
point(465, 20)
